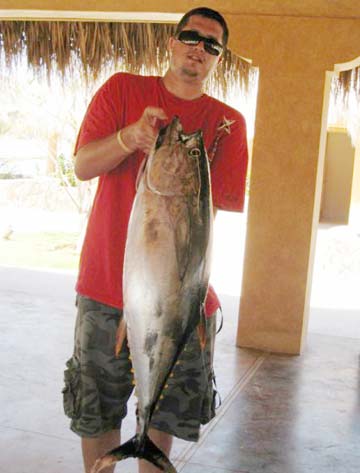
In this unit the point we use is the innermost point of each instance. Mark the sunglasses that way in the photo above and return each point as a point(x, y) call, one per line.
point(192, 38)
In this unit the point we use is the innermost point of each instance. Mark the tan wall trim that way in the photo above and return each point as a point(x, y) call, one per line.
point(303, 8)
point(90, 16)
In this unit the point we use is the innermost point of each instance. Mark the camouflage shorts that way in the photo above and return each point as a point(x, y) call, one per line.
point(98, 385)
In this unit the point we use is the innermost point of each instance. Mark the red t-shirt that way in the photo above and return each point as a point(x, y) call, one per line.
point(118, 103)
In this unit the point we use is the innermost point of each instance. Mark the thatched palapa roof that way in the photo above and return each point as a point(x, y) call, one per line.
point(135, 47)
point(73, 47)
point(346, 90)
point(347, 82)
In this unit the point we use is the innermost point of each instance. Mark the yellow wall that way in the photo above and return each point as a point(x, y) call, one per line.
point(355, 190)
point(293, 43)
point(338, 177)
point(355, 194)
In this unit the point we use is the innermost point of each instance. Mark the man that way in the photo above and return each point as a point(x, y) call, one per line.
point(118, 130)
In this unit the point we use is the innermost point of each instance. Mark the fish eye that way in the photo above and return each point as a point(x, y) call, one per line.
point(194, 152)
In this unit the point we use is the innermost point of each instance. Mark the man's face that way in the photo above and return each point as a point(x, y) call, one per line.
point(192, 62)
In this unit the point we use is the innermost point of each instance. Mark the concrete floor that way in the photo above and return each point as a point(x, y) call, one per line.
point(279, 414)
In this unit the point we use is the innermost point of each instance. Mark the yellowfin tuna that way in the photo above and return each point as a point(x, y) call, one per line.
point(166, 274)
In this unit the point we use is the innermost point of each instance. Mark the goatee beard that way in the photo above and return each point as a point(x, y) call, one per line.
point(189, 72)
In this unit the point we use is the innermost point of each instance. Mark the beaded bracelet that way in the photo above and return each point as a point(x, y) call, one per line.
point(121, 142)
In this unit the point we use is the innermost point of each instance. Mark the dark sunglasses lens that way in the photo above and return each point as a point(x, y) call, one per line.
point(189, 37)
point(212, 49)
point(192, 38)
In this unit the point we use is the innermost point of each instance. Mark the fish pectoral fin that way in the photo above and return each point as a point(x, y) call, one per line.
point(155, 456)
point(120, 336)
point(182, 239)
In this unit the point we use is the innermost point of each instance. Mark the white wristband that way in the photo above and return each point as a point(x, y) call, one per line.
point(121, 142)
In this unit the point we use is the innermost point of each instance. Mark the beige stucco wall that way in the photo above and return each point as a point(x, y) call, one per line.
point(354, 217)
point(355, 191)
point(338, 177)
point(293, 43)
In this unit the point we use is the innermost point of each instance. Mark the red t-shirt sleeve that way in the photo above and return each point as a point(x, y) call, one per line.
point(229, 165)
point(103, 116)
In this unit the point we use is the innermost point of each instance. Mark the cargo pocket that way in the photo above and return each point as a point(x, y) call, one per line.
point(71, 394)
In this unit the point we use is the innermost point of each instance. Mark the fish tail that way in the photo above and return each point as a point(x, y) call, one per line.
point(154, 455)
point(126, 450)
point(144, 449)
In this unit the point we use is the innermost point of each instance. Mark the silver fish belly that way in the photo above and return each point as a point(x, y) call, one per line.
point(166, 272)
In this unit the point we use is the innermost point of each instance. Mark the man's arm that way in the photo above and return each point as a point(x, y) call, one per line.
point(101, 156)
point(229, 164)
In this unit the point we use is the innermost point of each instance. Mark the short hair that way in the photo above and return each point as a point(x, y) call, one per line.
point(206, 13)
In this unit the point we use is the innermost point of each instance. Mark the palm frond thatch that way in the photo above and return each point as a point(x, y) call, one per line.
point(346, 102)
point(62, 46)
point(348, 83)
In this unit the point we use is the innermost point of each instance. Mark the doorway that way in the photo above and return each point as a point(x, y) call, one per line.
point(335, 298)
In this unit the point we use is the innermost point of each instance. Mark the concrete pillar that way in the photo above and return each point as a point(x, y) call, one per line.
point(280, 221)
point(293, 56)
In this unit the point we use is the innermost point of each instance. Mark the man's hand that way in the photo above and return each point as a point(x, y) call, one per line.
point(101, 156)
point(142, 134)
